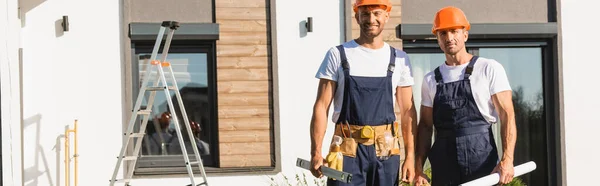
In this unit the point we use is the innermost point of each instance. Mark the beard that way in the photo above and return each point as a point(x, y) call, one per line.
point(370, 33)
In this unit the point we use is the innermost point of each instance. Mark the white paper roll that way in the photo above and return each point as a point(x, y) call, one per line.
point(493, 179)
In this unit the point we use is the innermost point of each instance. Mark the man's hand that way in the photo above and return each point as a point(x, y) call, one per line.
point(408, 170)
point(315, 165)
point(421, 179)
point(506, 171)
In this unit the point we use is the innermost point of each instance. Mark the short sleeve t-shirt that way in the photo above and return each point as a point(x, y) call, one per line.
point(488, 78)
point(363, 62)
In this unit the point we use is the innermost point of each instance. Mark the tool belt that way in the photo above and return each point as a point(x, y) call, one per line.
point(384, 137)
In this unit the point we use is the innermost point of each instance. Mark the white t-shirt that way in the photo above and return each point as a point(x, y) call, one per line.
point(363, 62)
point(488, 78)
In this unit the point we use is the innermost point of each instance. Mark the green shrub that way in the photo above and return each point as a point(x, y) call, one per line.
point(300, 180)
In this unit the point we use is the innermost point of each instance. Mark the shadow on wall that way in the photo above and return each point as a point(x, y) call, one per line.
point(58, 28)
point(32, 174)
point(25, 6)
point(302, 28)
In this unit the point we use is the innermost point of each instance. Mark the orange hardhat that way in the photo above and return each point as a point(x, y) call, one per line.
point(385, 3)
point(165, 119)
point(450, 17)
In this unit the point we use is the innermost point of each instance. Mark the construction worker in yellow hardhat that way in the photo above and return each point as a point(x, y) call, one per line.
point(365, 77)
point(462, 99)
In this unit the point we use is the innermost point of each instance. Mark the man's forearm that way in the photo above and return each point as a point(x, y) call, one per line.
point(423, 145)
point(318, 125)
point(509, 135)
point(409, 130)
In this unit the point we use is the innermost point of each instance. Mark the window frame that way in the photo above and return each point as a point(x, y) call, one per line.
point(175, 164)
point(550, 79)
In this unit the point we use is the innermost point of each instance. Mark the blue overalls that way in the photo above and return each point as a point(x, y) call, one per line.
point(464, 148)
point(368, 101)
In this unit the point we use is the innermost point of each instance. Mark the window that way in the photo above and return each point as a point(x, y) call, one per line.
point(529, 70)
point(193, 64)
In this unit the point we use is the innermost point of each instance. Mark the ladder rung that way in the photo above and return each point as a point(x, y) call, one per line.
point(122, 180)
point(128, 158)
point(146, 112)
point(194, 163)
point(137, 135)
point(159, 88)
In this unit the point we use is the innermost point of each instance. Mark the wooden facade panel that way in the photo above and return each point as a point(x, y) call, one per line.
point(241, 136)
point(243, 83)
point(250, 123)
point(241, 13)
point(243, 74)
point(242, 38)
point(242, 50)
point(242, 87)
point(238, 3)
point(244, 99)
point(242, 62)
point(245, 148)
point(242, 25)
point(255, 160)
point(226, 111)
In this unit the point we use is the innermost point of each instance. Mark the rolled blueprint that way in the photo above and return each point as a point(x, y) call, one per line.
point(493, 179)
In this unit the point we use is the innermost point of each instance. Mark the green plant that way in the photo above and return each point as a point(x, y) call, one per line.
point(301, 180)
point(516, 182)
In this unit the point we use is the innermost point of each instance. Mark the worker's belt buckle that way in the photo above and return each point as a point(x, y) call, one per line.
point(367, 132)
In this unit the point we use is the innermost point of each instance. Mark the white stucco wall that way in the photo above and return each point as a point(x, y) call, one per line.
point(10, 94)
point(67, 76)
point(299, 57)
point(580, 64)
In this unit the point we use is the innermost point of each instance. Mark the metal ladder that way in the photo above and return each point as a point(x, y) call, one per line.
point(146, 113)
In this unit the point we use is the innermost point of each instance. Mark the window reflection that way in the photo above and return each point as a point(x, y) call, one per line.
point(524, 70)
point(190, 70)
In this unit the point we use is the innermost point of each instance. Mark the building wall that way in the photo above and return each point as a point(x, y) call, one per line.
point(158, 11)
point(10, 94)
point(299, 55)
point(68, 76)
point(483, 11)
point(578, 57)
point(67, 68)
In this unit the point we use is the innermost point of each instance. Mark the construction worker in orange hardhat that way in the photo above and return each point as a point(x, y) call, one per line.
point(365, 78)
point(461, 99)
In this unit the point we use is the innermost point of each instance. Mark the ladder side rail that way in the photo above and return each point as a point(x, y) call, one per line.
point(178, 129)
point(142, 129)
point(172, 108)
point(132, 120)
point(157, 43)
point(187, 124)
point(134, 114)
